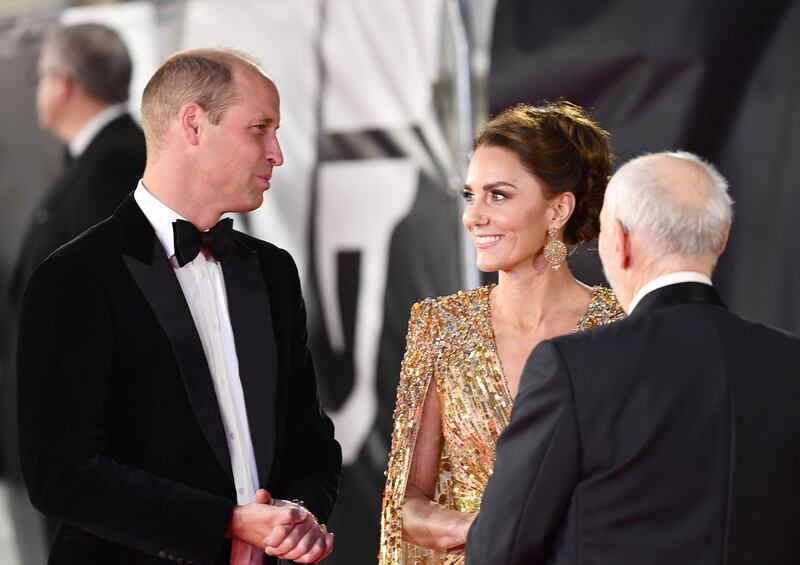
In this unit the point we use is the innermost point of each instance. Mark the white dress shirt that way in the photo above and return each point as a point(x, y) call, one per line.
point(91, 128)
point(203, 286)
point(666, 280)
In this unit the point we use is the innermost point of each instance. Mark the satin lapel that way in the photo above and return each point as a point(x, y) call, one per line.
point(160, 287)
point(251, 320)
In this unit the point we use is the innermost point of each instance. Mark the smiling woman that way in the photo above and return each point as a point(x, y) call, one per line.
point(535, 183)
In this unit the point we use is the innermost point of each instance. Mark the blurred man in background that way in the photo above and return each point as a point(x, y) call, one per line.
point(84, 74)
point(84, 77)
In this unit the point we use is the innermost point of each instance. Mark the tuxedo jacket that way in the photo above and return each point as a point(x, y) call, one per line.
point(670, 437)
point(88, 190)
point(120, 431)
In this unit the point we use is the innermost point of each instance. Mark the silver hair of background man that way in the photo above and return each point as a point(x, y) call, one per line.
point(637, 197)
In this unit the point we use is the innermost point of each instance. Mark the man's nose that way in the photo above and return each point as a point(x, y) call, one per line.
point(274, 154)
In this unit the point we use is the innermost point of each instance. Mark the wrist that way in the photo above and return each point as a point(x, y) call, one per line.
point(230, 533)
point(458, 526)
point(304, 506)
point(301, 504)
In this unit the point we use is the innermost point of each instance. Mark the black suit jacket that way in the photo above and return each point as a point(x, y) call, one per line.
point(120, 431)
point(670, 437)
point(86, 191)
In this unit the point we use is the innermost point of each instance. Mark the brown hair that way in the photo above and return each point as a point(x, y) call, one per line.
point(558, 143)
point(202, 76)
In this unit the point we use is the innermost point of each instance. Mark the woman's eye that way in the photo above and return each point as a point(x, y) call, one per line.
point(467, 196)
point(498, 196)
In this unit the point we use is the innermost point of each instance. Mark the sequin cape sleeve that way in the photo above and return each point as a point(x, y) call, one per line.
point(603, 309)
point(433, 327)
point(415, 376)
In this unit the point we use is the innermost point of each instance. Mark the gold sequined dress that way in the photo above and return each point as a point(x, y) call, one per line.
point(451, 341)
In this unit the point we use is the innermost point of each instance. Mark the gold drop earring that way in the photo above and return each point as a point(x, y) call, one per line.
point(554, 250)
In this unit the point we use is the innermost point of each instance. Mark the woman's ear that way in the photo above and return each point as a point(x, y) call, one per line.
point(562, 208)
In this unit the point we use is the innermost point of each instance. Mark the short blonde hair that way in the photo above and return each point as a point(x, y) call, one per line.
point(202, 76)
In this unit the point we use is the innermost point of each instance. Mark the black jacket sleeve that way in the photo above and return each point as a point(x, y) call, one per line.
point(312, 458)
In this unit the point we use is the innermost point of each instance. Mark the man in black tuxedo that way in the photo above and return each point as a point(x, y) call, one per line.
point(165, 379)
point(669, 437)
point(81, 98)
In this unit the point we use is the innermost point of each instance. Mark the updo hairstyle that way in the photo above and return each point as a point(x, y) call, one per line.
point(560, 145)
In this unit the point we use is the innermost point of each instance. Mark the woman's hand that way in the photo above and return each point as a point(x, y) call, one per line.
point(460, 528)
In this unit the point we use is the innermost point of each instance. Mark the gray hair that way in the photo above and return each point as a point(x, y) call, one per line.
point(639, 198)
point(92, 55)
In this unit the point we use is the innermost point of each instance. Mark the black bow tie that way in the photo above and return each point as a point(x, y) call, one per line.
point(189, 240)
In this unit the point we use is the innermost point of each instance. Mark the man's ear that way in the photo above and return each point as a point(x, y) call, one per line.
point(622, 245)
point(67, 87)
point(723, 245)
point(190, 118)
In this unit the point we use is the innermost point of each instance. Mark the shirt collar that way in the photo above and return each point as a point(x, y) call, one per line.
point(91, 128)
point(159, 215)
point(666, 280)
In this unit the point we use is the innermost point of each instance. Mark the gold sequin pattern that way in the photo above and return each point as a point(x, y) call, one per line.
point(451, 341)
